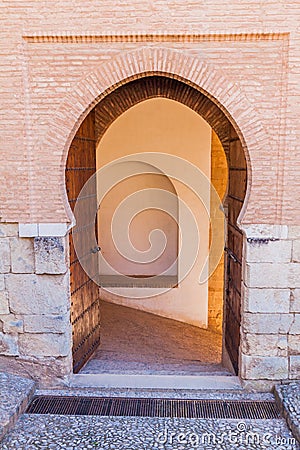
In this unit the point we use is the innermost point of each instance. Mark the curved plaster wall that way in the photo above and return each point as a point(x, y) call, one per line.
point(160, 125)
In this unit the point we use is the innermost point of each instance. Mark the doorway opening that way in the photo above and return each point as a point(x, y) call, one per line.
point(217, 314)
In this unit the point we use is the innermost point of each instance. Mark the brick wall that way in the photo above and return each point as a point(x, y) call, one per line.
point(49, 82)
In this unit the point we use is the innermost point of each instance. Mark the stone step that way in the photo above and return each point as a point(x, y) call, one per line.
point(142, 381)
point(288, 399)
point(15, 394)
point(220, 394)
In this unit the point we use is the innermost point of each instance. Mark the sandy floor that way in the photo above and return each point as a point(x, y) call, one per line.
point(133, 341)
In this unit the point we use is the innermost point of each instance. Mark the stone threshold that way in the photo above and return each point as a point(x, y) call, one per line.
point(142, 381)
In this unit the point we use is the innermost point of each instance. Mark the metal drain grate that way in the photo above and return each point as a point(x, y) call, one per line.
point(153, 407)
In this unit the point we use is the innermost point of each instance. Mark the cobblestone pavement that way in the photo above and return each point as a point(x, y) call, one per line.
point(139, 433)
point(136, 433)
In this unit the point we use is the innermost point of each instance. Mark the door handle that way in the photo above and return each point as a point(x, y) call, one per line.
point(96, 249)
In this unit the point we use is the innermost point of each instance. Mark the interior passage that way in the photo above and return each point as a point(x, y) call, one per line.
point(137, 342)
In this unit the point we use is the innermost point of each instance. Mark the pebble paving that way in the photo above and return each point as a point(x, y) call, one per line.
point(45, 432)
point(137, 433)
point(289, 396)
point(14, 394)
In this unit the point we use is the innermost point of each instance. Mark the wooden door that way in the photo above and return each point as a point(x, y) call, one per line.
point(234, 248)
point(85, 313)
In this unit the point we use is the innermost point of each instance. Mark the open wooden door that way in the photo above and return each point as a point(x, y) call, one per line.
point(234, 248)
point(85, 312)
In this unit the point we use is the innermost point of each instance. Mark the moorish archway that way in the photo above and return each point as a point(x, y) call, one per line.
point(81, 164)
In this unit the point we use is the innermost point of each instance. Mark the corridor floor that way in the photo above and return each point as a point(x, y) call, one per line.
point(136, 342)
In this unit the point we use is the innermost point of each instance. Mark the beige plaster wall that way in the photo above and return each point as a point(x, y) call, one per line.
point(160, 125)
point(130, 241)
point(219, 179)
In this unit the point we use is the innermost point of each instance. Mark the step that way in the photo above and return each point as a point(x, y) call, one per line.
point(16, 393)
point(142, 381)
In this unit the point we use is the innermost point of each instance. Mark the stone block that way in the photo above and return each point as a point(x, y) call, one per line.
point(266, 323)
point(49, 372)
point(294, 344)
point(8, 345)
point(294, 275)
point(295, 367)
point(53, 229)
point(264, 345)
point(265, 231)
point(22, 255)
point(296, 251)
point(4, 256)
point(294, 232)
point(44, 344)
point(295, 327)
point(46, 324)
point(38, 294)
point(8, 229)
point(50, 255)
point(4, 305)
point(276, 275)
point(12, 324)
point(266, 275)
point(295, 301)
point(257, 385)
point(268, 251)
point(2, 283)
point(267, 300)
point(264, 367)
point(28, 230)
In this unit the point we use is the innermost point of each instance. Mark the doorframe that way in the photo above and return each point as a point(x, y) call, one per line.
point(171, 86)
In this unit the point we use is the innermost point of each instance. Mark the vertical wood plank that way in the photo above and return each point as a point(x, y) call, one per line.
point(85, 311)
point(235, 198)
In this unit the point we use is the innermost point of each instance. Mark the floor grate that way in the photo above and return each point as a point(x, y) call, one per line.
point(153, 407)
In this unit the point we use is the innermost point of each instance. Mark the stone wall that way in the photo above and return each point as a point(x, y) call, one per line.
point(35, 332)
point(270, 326)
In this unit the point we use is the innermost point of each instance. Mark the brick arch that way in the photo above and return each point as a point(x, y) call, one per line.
point(144, 88)
point(129, 66)
point(125, 67)
point(170, 63)
point(140, 89)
